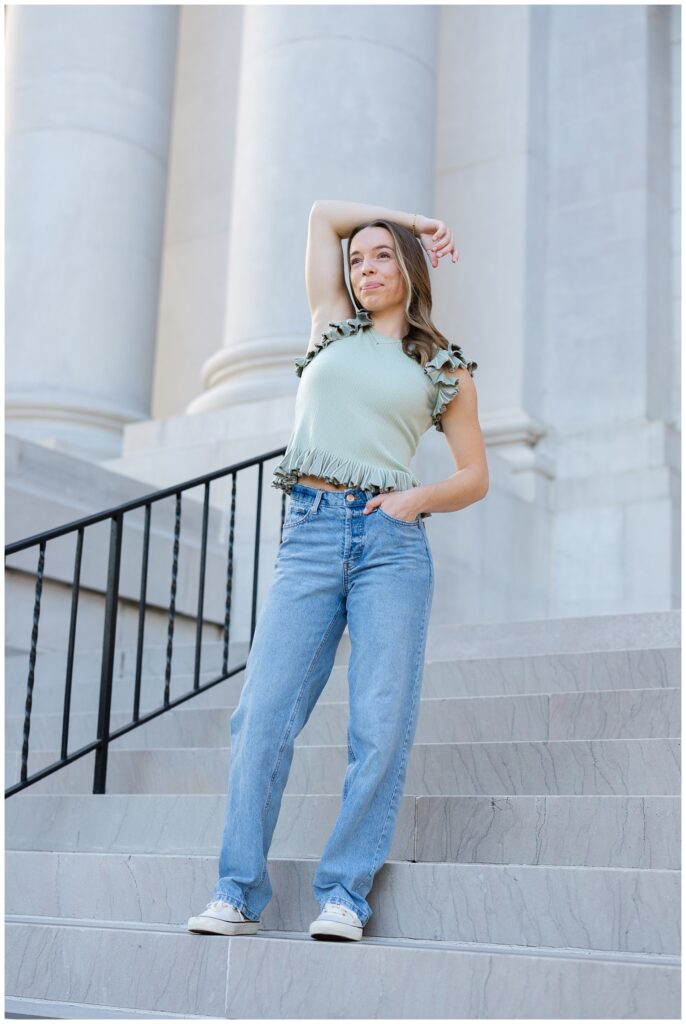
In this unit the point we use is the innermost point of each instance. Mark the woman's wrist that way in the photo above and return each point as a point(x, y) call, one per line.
point(425, 224)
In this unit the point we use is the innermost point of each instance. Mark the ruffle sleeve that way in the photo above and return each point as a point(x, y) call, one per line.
point(340, 329)
point(445, 359)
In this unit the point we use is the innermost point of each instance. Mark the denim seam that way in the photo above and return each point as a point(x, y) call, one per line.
point(287, 524)
point(289, 725)
point(428, 551)
point(242, 905)
point(343, 903)
point(403, 760)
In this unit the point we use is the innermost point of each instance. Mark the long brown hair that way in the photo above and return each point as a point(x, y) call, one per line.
point(423, 338)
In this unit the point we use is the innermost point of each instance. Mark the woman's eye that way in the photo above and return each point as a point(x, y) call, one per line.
point(353, 262)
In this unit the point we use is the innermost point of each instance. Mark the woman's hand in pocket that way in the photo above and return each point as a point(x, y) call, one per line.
point(396, 504)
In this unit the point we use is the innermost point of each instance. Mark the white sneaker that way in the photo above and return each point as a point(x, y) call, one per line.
point(338, 922)
point(222, 918)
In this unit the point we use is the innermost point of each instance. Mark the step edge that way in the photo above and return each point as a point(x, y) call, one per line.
point(23, 1006)
point(388, 864)
point(535, 952)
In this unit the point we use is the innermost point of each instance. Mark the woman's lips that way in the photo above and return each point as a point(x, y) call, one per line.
point(368, 287)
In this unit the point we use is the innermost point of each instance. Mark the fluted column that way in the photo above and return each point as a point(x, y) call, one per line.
point(335, 103)
point(89, 98)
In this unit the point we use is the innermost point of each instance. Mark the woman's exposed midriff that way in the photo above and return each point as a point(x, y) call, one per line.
point(316, 481)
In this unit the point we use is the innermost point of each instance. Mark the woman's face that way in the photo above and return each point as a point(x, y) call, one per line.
point(373, 262)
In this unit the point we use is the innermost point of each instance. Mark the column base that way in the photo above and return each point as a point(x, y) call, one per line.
point(73, 425)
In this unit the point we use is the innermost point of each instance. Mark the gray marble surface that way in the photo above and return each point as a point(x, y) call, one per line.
point(293, 977)
point(607, 714)
point(621, 909)
point(599, 831)
point(537, 843)
point(555, 767)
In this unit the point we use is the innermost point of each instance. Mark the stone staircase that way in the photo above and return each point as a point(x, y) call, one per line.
point(534, 871)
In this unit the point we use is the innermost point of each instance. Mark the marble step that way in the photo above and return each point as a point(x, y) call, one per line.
point(47, 696)
point(292, 976)
point(640, 767)
point(636, 631)
point(85, 700)
point(85, 697)
point(594, 831)
point(51, 665)
point(453, 677)
point(605, 714)
point(628, 910)
point(59, 1010)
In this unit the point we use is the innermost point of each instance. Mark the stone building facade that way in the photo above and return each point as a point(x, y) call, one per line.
point(161, 163)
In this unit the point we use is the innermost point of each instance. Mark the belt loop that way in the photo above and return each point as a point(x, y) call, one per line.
point(315, 504)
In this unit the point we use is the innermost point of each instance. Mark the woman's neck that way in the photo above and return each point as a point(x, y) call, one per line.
point(391, 326)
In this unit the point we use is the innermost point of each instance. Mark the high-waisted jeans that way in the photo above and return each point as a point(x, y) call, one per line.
point(334, 565)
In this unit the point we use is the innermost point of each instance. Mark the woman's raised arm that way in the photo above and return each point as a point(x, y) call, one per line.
point(434, 235)
point(327, 292)
point(343, 216)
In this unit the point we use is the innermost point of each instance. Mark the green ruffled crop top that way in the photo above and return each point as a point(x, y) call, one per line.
point(362, 406)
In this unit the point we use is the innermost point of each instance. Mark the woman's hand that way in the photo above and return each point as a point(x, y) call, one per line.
point(397, 504)
point(436, 238)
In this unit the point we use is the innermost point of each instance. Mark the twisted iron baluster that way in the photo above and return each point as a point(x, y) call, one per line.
point(32, 662)
point(229, 577)
point(76, 583)
point(141, 614)
point(172, 600)
point(201, 586)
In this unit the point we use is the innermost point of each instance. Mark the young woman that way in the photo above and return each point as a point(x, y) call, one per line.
point(354, 550)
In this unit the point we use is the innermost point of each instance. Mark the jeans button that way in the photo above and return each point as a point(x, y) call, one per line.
point(350, 497)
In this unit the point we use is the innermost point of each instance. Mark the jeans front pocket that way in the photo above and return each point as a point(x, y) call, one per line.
point(399, 522)
point(298, 512)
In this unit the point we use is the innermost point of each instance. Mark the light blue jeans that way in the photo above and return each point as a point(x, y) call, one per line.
point(334, 565)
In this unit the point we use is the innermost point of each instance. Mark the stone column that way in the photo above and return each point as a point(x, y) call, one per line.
point(89, 99)
point(491, 187)
point(335, 103)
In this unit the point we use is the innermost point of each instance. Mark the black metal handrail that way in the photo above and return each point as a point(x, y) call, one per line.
point(115, 515)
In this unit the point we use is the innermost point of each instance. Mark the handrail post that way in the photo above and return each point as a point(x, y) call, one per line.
point(108, 642)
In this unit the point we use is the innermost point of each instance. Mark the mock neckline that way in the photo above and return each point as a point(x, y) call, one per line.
point(385, 337)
